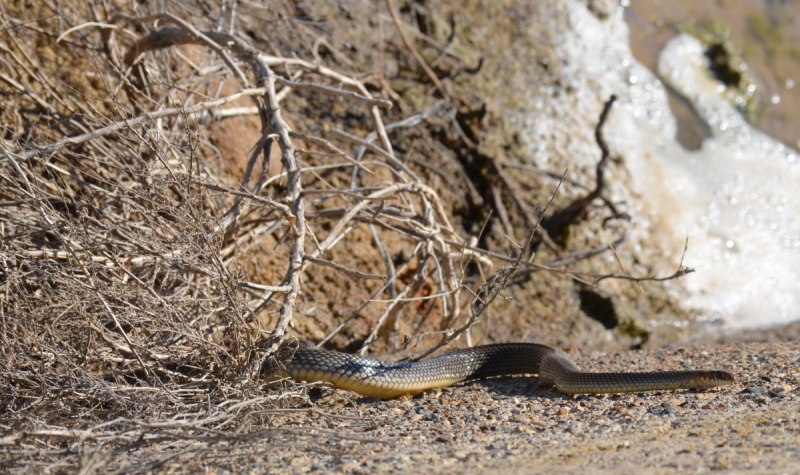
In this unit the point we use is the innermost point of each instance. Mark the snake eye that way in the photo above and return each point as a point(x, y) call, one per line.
point(712, 379)
point(725, 376)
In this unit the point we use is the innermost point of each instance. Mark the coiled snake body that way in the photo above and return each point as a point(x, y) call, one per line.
point(387, 379)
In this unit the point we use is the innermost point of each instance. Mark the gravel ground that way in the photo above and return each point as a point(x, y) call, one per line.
point(512, 425)
point(787, 333)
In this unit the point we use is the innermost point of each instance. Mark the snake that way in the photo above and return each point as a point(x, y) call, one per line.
point(388, 379)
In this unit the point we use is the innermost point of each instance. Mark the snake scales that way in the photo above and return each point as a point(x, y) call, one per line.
point(387, 379)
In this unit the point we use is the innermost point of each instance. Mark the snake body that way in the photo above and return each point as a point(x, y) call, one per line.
point(388, 379)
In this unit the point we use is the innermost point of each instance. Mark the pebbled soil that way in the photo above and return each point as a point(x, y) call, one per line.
point(510, 425)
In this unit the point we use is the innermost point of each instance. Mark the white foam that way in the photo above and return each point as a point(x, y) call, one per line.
point(740, 204)
point(737, 198)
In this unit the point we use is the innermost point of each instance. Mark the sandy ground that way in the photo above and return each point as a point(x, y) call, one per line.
point(510, 425)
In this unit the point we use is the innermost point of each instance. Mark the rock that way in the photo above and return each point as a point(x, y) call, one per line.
point(657, 410)
point(755, 390)
point(536, 421)
point(382, 467)
point(673, 403)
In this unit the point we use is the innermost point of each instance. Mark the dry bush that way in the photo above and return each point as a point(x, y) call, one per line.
point(124, 299)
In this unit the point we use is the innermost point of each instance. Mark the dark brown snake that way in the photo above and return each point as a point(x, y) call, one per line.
point(387, 379)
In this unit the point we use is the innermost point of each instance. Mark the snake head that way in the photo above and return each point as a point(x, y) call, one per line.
point(712, 379)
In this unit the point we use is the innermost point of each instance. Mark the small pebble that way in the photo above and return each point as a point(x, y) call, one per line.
point(755, 390)
point(657, 410)
point(674, 403)
point(382, 467)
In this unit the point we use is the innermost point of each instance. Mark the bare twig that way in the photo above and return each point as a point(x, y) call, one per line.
point(390, 314)
point(357, 312)
point(346, 270)
point(124, 124)
point(406, 41)
point(563, 218)
point(490, 290)
point(336, 92)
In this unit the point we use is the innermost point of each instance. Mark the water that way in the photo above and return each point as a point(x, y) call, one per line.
point(766, 31)
point(736, 198)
